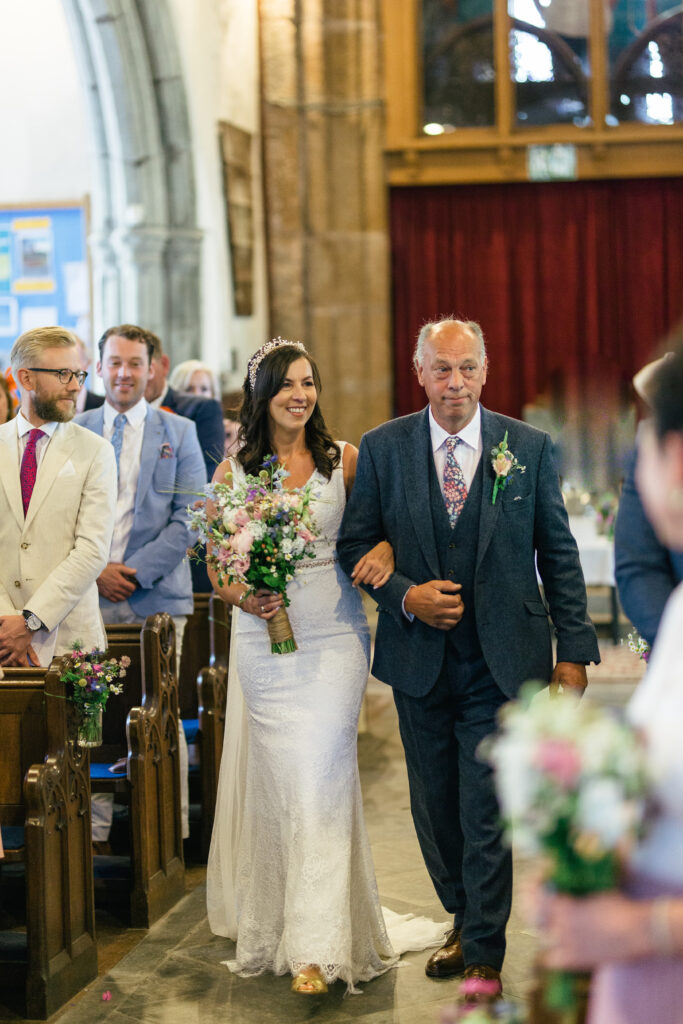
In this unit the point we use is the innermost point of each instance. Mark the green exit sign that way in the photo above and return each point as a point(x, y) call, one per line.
point(551, 163)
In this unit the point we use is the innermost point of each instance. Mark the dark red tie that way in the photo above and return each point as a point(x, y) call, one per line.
point(29, 467)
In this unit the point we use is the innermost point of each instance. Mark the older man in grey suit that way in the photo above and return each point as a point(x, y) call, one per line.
point(461, 621)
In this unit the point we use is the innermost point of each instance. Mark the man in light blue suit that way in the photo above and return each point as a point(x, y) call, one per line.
point(160, 471)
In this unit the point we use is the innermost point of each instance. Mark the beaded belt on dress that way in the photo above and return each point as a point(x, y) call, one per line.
point(316, 563)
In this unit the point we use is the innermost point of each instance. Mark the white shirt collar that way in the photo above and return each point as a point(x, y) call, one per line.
point(470, 435)
point(158, 402)
point(135, 415)
point(23, 425)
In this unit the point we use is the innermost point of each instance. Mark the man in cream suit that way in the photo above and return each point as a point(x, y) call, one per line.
point(57, 502)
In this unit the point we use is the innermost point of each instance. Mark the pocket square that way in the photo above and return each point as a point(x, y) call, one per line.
point(518, 497)
point(166, 451)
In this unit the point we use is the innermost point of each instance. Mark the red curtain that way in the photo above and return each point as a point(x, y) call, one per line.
point(572, 280)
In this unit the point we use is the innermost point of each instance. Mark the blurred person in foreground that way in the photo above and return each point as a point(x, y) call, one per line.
point(647, 571)
point(633, 938)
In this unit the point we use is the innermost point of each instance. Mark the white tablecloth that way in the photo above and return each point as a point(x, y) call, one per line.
point(595, 551)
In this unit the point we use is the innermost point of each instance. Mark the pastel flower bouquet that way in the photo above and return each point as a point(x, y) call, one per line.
point(256, 532)
point(92, 678)
point(571, 782)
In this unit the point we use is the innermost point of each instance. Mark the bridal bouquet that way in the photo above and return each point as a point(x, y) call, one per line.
point(256, 532)
point(571, 783)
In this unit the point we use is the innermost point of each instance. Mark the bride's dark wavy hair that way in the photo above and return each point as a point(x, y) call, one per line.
point(254, 433)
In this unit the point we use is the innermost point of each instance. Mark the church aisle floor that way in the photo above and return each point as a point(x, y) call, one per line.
point(174, 974)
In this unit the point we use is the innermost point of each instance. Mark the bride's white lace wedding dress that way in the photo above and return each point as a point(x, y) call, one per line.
point(290, 874)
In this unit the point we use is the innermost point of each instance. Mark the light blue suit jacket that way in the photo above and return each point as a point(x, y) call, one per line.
point(172, 474)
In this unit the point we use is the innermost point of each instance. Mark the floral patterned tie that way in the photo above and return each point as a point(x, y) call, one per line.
point(29, 467)
point(454, 486)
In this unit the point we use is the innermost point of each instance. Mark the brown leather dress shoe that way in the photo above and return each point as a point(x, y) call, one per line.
point(481, 984)
point(448, 960)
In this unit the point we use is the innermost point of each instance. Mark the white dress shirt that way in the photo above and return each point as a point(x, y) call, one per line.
point(129, 471)
point(468, 453)
point(157, 402)
point(23, 430)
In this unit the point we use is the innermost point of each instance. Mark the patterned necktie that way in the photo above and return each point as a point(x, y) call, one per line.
point(117, 435)
point(454, 486)
point(29, 467)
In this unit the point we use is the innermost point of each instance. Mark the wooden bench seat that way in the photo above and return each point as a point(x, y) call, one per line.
point(141, 725)
point(203, 683)
point(45, 817)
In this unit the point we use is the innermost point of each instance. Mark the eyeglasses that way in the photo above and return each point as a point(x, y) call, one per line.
point(64, 376)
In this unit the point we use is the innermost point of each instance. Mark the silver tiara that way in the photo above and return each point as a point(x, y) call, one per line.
point(261, 353)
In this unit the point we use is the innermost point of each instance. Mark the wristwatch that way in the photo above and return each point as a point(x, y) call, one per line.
point(32, 621)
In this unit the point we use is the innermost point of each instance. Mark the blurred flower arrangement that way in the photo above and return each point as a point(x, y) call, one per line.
point(638, 646)
point(256, 532)
point(92, 677)
point(606, 507)
point(498, 1011)
point(571, 783)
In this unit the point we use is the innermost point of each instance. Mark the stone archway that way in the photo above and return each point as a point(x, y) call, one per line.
point(145, 244)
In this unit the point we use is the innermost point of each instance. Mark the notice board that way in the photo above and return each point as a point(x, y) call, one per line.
point(44, 275)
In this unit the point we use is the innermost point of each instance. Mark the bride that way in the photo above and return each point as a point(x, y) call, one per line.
point(290, 873)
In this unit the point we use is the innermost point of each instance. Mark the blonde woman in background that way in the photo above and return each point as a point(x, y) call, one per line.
point(195, 378)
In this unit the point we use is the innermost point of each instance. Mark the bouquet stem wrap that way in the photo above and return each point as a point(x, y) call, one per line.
point(280, 632)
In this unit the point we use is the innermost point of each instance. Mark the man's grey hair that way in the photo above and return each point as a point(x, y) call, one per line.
point(427, 330)
point(28, 349)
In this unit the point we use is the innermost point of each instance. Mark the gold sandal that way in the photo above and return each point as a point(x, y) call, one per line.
point(307, 985)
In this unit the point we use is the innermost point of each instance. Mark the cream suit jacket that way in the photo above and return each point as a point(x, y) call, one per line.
point(50, 560)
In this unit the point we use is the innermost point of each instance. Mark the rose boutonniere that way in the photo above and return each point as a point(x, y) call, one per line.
point(166, 451)
point(504, 465)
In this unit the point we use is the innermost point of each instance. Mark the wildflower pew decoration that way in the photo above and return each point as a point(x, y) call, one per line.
point(92, 678)
point(571, 783)
point(256, 532)
point(504, 465)
point(638, 645)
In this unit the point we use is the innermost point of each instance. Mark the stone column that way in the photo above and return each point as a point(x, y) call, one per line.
point(183, 252)
point(325, 197)
point(140, 257)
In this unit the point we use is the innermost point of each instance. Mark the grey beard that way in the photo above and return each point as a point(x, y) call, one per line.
point(47, 409)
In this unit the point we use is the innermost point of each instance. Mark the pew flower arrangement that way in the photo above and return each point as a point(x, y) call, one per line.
point(606, 508)
point(256, 532)
point(92, 678)
point(638, 646)
point(572, 785)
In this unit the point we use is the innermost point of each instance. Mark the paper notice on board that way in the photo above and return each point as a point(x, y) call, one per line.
point(38, 316)
point(76, 288)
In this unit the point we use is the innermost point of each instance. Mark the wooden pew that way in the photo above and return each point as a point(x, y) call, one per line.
point(212, 687)
point(203, 681)
point(45, 806)
point(142, 725)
